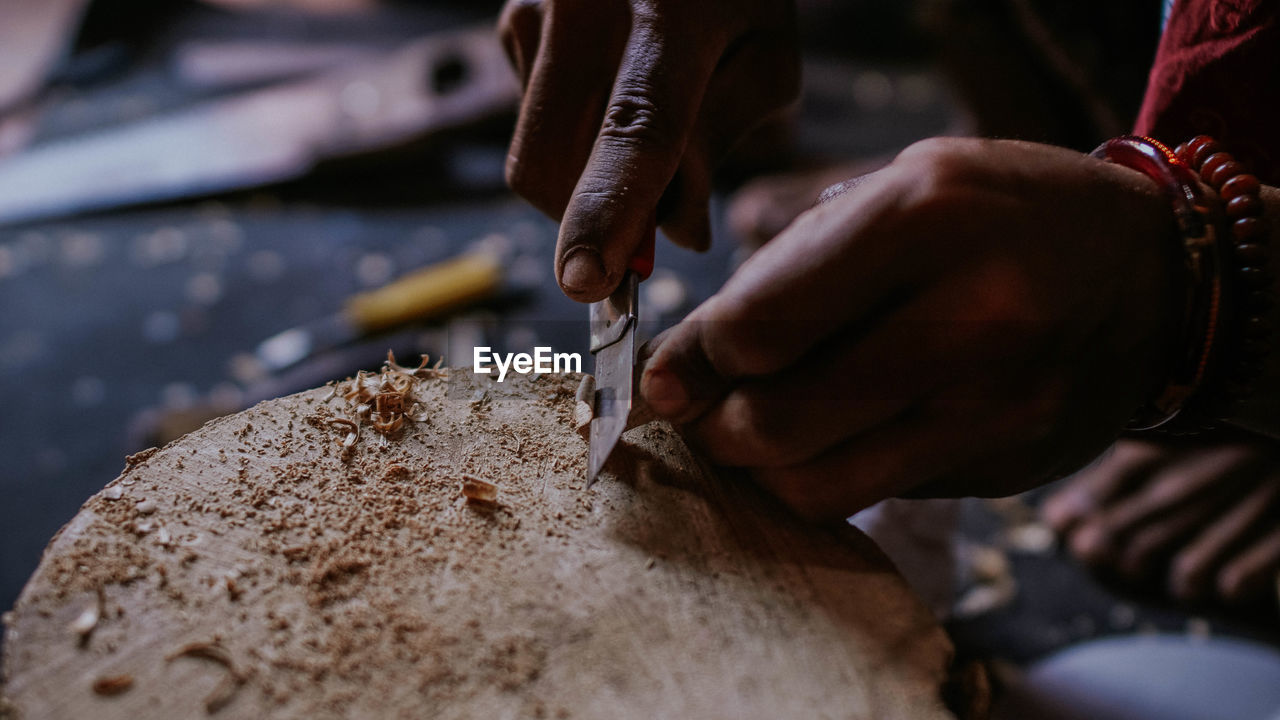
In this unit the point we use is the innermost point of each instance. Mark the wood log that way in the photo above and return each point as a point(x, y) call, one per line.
point(272, 565)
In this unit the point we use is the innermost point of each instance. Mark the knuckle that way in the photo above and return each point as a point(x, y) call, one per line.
point(941, 166)
point(635, 119)
point(743, 342)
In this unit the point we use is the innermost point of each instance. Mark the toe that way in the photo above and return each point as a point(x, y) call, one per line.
point(1253, 573)
point(1192, 570)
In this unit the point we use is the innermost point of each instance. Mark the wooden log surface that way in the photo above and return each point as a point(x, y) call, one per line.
point(260, 568)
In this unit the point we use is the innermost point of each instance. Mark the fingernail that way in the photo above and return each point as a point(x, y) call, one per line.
point(582, 269)
point(664, 392)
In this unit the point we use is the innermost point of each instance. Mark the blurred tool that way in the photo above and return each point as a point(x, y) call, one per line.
point(421, 295)
point(266, 136)
point(225, 64)
point(356, 338)
point(613, 324)
point(160, 425)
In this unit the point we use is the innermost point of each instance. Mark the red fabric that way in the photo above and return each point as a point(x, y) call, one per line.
point(1217, 72)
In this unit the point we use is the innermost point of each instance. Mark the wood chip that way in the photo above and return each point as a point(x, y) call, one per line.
point(476, 490)
point(584, 406)
point(112, 684)
point(84, 624)
point(226, 690)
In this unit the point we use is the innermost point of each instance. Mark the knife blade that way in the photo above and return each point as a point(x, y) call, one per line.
point(613, 323)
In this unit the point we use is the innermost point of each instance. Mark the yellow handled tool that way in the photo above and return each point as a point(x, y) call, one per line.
point(426, 293)
point(423, 294)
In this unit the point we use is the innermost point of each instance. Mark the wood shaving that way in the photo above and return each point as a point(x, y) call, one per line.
point(234, 591)
point(396, 473)
point(138, 458)
point(84, 624)
point(476, 490)
point(112, 684)
point(584, 406)
point(225, 692)
point(386, 400)
point(82, 627)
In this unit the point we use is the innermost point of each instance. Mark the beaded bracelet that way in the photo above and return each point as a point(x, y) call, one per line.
point(1202, 261)
point(1247, 331)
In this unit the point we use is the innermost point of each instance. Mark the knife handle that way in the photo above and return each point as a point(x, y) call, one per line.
point(642, 262)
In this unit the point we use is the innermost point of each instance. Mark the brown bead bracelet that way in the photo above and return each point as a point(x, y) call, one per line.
point(1247, 331)
point(1201, 262)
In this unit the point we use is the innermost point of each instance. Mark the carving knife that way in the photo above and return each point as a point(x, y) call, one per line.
point(613, 343)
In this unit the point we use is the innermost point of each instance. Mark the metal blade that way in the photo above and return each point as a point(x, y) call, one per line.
point(613, 342)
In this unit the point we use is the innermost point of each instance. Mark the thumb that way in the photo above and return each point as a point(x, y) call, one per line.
point(678, 380)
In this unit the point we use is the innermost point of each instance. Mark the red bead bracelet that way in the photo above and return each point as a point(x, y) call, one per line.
point(1201, 260)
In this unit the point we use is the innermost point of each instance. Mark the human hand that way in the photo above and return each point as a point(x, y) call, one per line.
point(975, 318)
point(628, 107)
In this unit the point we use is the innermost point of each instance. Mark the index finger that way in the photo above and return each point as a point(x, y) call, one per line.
point(652, 109)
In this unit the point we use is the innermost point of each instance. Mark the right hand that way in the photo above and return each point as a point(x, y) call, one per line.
point(628, 107)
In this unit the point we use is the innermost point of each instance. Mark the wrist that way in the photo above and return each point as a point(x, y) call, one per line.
point(1195, 269)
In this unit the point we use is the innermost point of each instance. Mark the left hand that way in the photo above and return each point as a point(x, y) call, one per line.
point(975, 318)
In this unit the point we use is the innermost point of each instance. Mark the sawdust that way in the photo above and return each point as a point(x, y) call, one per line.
point(353, 531)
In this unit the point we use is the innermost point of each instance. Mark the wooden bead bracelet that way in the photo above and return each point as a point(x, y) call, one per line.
point(1248, 279)
point(1201, 259)
point(1225, 334)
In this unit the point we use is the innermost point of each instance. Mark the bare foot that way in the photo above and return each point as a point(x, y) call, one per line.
point(1203, 519)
